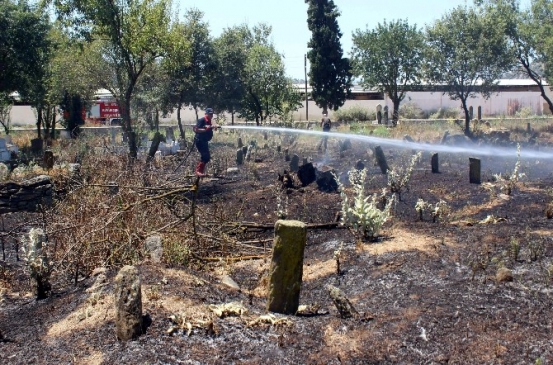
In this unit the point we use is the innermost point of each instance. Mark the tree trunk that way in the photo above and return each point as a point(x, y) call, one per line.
point(39, 122)
point(179, 122)
point(395, 112)
point(538, 81)
point(467, 118)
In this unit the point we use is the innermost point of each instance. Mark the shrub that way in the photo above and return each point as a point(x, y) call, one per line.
point(398, 177)
point(363, 214)
point(354, 114)
point(411, 111)
point(445, 113)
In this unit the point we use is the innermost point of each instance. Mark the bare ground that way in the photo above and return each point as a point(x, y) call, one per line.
point(427, 293)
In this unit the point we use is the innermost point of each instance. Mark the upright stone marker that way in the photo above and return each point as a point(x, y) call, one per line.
point(169, 134)
point(381, 159)
point(48, 159)
point(385, 115)
point(479, 113)
point(286, 271)
point(295, 163)
point(474, 173)
point(240, 144)
point(379, 113)
point(239, 157)
point(435, 164)
point(471, 112)
point(128, 304)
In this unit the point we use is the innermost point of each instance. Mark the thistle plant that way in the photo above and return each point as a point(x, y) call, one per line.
point(38, 263)
point(438, 210)
point(282, 207)
point(420, 207)
point(398, 177)
point(507, 182)
point(363, 214)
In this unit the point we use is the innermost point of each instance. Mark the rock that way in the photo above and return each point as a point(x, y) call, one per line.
point(342, 303)
point(503, 275)
point(228, 281)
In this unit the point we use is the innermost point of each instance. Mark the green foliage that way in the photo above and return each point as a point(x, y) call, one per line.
point(381, 131)
point(389, 58)
point(398, 177)
point(128, 37)
point(354, 113)
point(466, 49)
point(176, 253)
point(363, 214)
point(444, 113)
point(329, 73)
point(411, 111)
point(506, 183)
point(24, 47)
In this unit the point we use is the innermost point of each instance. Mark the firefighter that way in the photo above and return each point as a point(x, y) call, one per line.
point(204, 132)
point(325, 124)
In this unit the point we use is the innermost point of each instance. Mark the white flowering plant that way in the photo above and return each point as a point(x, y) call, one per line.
point(362, 214)
point(398, 177)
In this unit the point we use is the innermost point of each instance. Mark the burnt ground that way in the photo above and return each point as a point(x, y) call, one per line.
point(426, 292)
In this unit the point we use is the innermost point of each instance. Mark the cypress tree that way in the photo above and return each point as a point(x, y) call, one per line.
point(329, 74)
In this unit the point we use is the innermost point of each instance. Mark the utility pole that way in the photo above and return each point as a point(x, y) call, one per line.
point(306, 97)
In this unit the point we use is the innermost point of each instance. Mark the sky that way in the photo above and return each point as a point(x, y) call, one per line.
point(288, 19)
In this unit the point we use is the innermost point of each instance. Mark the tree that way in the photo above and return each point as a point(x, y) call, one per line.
point(467, 51)
point(389, 58)
point(530, 35)
point(24, 53)
point(131, 35)
point(329, 73)
point(231, 53)
point(190, 68)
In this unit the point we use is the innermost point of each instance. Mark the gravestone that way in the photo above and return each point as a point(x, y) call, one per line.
point(479, 113)
point(286, 270)
point(239, 143)
point(169, 134)
point(48, 159)
point(249, 152)
point(379, 113)
point(239, 157)
point(128, 304)
point(474, 171)
point(294, 163)
point(435, 164)
point(381, 160)
point(154, 246)
point(471, 112)
point(385, 115)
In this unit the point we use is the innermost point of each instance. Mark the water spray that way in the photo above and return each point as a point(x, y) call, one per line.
point(468, 150)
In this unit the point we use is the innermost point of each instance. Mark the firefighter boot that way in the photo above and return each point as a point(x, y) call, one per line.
point(200, 169)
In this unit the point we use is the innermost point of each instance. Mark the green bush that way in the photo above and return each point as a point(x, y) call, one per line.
point(411, 111)
point(445, 113)
point(354, 114)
